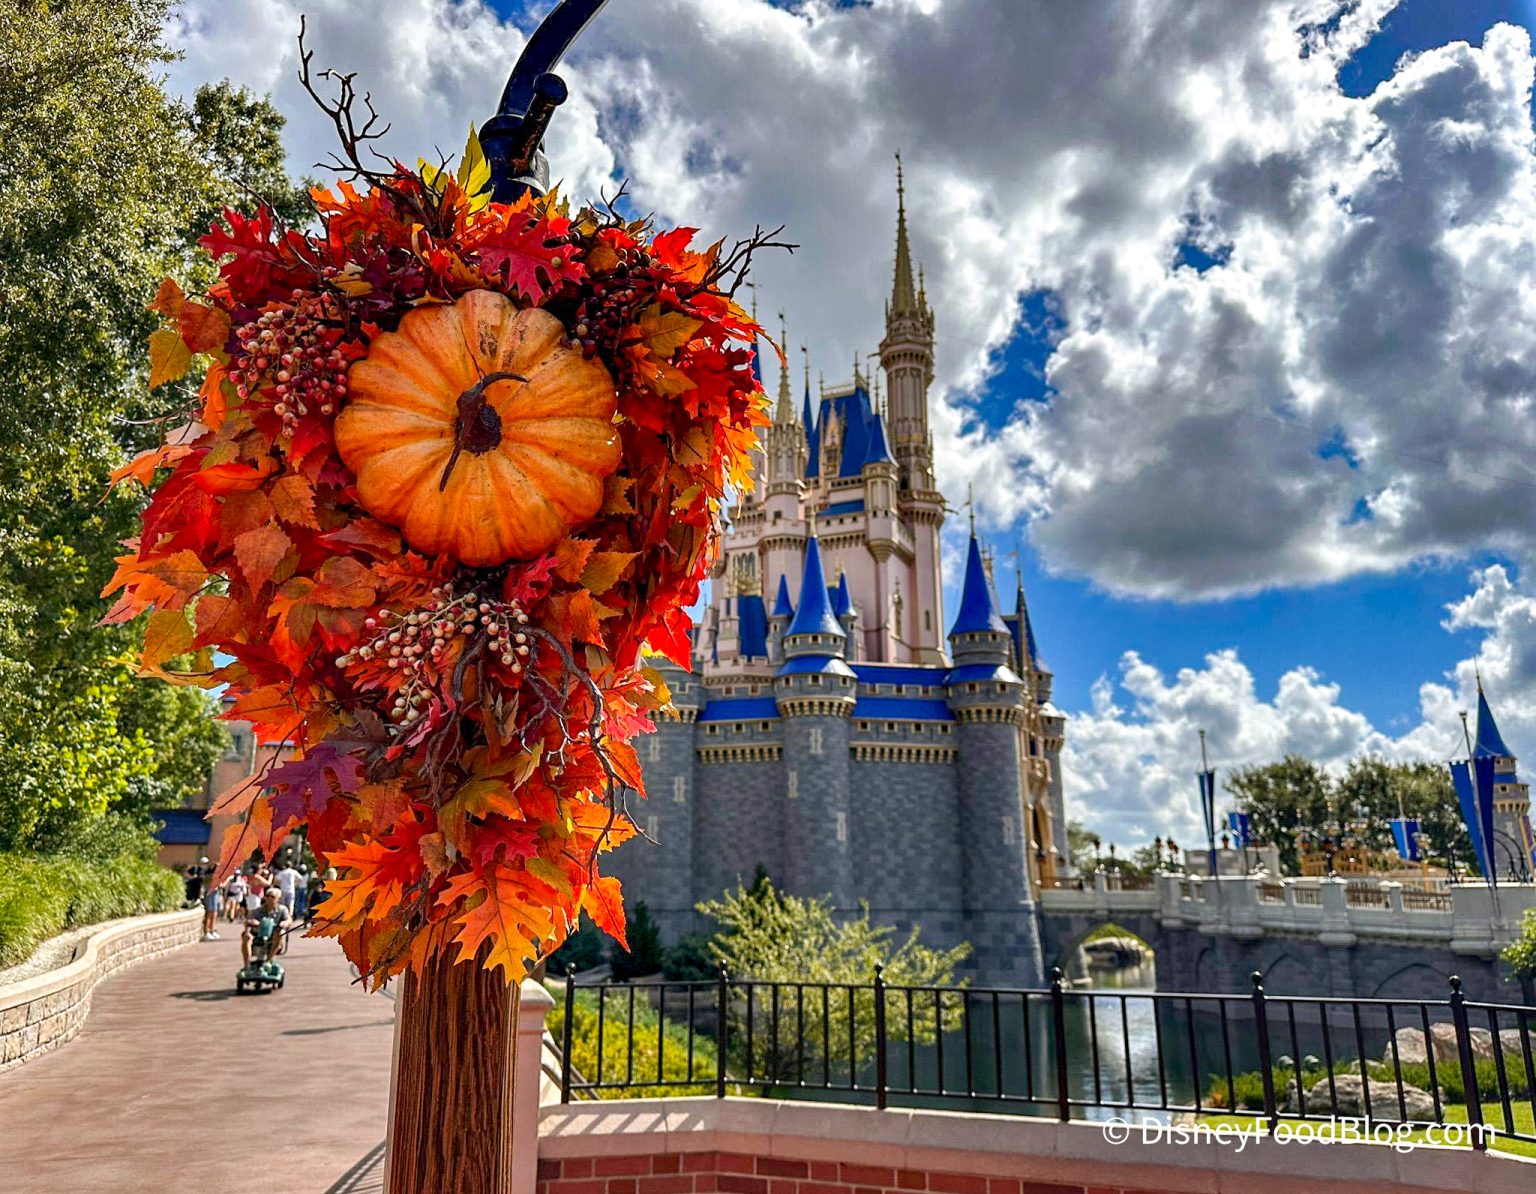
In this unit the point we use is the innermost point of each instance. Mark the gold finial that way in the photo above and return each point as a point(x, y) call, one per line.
point(785, 411)
point(903, 296)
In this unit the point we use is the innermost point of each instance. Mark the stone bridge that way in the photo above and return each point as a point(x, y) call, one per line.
point(1306, 936)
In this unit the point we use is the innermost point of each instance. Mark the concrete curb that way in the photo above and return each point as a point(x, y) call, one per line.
point(43, 1012)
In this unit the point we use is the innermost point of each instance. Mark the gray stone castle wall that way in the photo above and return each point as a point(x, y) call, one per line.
point(907, 841)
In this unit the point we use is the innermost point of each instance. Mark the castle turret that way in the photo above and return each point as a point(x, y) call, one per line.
point(666, 815)
point(1513, 848)
point(906, 354)
point(988, 699)
point(815, 691)
point(779, 620)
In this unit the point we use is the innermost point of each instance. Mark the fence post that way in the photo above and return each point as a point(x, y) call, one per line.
point(1059, 1031)
point(880, 1072)
point(1266, 1060)
point(1468, 1064)
point(565, 1032)
point(721, 997)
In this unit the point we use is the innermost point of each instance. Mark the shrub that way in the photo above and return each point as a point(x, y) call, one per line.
point(643, 956)
point(583, 949)
point(42, 896)
point(616, 1038)
point(691, 960)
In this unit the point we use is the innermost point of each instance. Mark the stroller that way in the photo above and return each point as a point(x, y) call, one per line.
point(264, 971)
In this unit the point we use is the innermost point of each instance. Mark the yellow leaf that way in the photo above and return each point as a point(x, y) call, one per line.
point(665, 332)
point(169, 357)
point(475, 173)
point(604, 569)
point(168, 635)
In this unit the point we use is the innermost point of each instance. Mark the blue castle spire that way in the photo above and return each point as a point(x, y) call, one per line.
point(781, 606)
point(1490, 743)
point(978, 609)
point(813, 614)
point(842, 600)
point(877, 452)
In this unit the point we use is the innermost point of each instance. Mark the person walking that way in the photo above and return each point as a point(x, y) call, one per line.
point(239, 888)
point(301, 894)
point(213, 903)
point(287, 880)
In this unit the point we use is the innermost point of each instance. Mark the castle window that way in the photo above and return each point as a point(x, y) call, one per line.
point(901, 690)
point(927, 619)
point(971, 688)
point(815, 681)
point(842, 827)
point(712, 730)
point(727, 690)
point(863, 725)
point(1008, 831)
point(654, 747)
point(679, 789)
point(816, 742)
point(943, 729)
point(652, 825)
point(890, 727)
point(794, 785)
point(763, 726)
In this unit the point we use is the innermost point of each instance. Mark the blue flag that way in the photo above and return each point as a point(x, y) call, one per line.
point(1474, 791)
point(1405, 832)
point(1237, 826)
point(1208, 807)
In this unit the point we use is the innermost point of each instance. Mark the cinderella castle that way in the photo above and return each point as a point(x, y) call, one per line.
point(834, 730)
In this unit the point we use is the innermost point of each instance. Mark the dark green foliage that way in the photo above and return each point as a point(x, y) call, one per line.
point(644, 956)
point(691, 960)
point(42, 897)
point(107, 182)
point(1296, 793)
point(583, 949)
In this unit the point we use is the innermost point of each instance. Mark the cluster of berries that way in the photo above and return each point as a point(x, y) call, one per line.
point(416, 641)
point(291, 352)
point(619, 295)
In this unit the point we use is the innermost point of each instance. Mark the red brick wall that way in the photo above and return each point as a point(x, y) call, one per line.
point(731, 1173)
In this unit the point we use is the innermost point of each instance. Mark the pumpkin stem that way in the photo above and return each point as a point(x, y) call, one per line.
point(477, 427)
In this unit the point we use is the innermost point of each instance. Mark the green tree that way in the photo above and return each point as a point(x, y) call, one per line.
point(1083, 846)
point(771, 942)
point(644, 955)
point(1281, 798)
point(105, 181)
point(1520, 956)
point(1296, 793)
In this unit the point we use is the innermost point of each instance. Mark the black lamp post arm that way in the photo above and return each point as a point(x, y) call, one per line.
point(512, 137)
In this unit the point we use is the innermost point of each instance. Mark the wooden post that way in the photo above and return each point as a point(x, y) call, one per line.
point(451, 1104)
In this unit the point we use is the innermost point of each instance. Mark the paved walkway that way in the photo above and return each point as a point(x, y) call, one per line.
point(177, 1086)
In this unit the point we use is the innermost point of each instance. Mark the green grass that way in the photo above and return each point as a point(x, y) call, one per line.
point(671, 1045)
point(42, 896)
point(1492, 1114)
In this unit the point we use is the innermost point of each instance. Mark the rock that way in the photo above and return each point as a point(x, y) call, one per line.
point(1410, 1045)
point(1514, 1049)
point(1346, 1099)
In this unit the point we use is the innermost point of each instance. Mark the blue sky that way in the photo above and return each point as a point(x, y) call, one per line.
point(1378, 637)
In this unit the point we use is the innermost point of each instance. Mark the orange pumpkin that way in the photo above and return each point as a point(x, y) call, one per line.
point(478, 431)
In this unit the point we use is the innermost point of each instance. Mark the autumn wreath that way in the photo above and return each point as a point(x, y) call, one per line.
point(454, 469)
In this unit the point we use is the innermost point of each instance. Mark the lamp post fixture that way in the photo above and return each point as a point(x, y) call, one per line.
point(455, 1058)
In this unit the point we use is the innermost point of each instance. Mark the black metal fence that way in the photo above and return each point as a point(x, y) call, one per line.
point(1061, 1051)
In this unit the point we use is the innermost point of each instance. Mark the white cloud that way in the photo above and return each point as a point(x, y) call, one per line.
point(1375, 296)
point(1130, 759)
